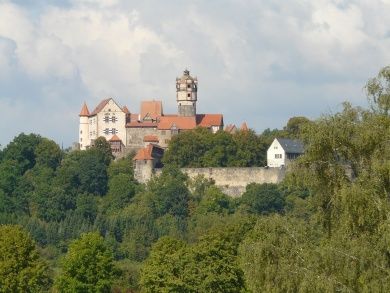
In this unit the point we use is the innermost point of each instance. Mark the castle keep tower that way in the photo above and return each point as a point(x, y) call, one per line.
point(186, 94)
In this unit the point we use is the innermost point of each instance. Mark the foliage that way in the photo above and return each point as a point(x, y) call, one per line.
point(378, 91)
point(263, 198)
point(208, 266)
point(88, 266)
point(202, 148)
point(21, 268)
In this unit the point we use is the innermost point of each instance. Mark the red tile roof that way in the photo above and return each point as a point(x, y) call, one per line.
point(84, 111)
point(231, 128)
point(244, 127)
point(151, 138)
point(144, 153)
point(126, 110)
point(115, 138)
point(100, 107)
point(147, 124)
point(208, 120)
point(184, 123)
point(153, 109)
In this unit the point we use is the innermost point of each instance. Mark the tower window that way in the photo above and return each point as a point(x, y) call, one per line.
point(189, 95)
point(189, 86)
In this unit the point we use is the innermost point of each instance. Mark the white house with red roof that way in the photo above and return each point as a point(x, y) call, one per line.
point(108, 119)
point(151, 125)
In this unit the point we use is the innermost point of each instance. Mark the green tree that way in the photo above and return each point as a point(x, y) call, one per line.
point(215, 201)
point(22, 150)
point(103, 146)
point(121, 189)
point(48, 153)
point(88, 266)
point(295, 126)
point(164, 269)
point(121, 166)
point(378, 91)
point(207, 266)
point(21, 269)
point(169, 193)
point(263, 198)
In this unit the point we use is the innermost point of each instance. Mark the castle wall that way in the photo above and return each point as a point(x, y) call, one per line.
point(233, 181)
point(143, 170)
point(135, 136)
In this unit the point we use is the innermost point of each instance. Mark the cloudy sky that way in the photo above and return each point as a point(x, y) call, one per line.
point(261, 61)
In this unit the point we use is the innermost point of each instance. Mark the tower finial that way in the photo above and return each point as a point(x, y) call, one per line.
point(186, 71)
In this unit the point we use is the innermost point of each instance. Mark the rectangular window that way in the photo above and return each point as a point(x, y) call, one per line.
point(278, 156)
point(106, 131)
point(189, 95)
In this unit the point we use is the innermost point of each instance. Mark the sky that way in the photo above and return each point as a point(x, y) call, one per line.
point(259, 61)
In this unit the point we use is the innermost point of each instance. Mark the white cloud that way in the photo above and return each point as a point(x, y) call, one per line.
point(249, 56)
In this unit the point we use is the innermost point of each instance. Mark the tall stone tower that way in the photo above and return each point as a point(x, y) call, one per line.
point(186, 94)
point(84, 128)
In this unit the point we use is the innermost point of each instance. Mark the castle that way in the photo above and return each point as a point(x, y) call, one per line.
point(127, 131)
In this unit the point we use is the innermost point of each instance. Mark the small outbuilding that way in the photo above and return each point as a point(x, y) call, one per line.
point(282, 151)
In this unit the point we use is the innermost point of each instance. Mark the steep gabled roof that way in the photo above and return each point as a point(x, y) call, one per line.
point(291, 146)
point(84, 111)
point(100, 106)
point(125, 110)
point(208, 120)
point(144, 153)
point(230, 128)
point(115, 138)
point(244, 127)
point(152, 109)
point(180, 122)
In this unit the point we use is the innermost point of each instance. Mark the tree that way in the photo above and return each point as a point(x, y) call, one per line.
point(21, 269)
point(215, 201)
point(207, 266)
point(378, 91)
point(295, 126)
point(164, 269)
point(103, 146)
point(121, 166)
point(274, 255)
point(263, 198)
point(121, 189)
point(88, 266)
point(22, 150)
point(48, 153)
point(169, 193)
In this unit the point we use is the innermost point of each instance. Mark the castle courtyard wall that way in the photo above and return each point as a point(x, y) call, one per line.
point(233, 181)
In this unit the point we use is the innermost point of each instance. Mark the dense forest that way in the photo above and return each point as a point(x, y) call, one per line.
point(77, 221)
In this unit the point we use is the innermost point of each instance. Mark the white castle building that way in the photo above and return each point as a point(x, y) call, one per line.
point(127, 130)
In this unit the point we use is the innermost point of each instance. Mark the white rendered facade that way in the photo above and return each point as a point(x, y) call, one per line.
point(276, 156)
point(84, 139)
point(107, 120)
